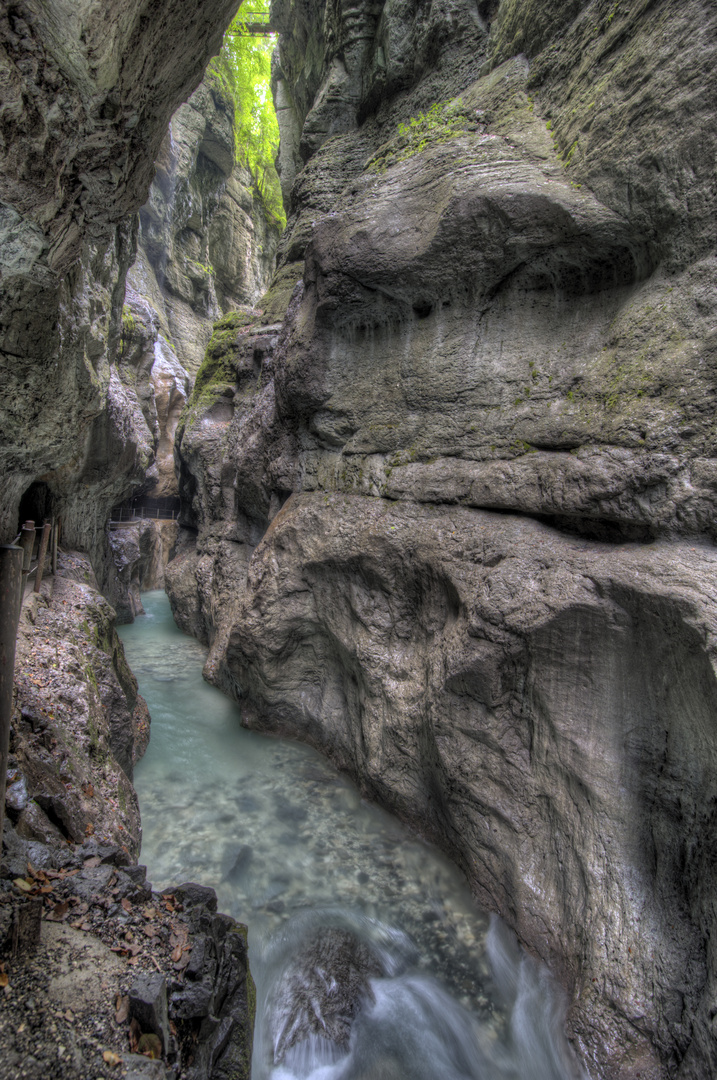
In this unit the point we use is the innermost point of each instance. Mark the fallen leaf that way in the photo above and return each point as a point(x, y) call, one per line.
point(135, 1032)
point(53, 875)
point(149, 912)
point(110, 1058)
point(150, 1045)
point(121, 1009)
point(126, 904)
point(180, 935)
point(59, 912)
point(177, 954)
point(89, 829)
point(23, 885)
point(4, 980)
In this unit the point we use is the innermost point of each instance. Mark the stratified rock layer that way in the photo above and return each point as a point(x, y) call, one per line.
point(206, 244)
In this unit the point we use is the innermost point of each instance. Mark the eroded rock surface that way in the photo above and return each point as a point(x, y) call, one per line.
point(87, 96)
point(502, 219)
point(206, 245)
point(80, 724)
point(541, 706)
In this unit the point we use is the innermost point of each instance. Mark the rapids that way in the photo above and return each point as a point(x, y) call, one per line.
point(291, 849)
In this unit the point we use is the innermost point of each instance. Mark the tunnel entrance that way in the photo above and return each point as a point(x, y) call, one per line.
point(37, 504)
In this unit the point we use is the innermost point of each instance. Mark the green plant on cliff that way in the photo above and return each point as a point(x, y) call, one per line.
point(128, 331)
point(243, 70)
point(444, 120)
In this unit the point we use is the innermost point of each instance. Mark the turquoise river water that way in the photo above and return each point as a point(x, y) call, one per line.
point(290, 848)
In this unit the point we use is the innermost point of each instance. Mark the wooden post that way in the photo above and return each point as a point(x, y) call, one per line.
point(27, 543)
point(55, 532)
point(10, 599)
point(41, 555)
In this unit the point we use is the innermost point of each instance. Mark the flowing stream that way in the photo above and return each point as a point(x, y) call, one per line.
point(293, 851)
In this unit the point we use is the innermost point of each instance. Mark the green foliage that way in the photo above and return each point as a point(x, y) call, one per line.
point(444, 120)
point(243, 71)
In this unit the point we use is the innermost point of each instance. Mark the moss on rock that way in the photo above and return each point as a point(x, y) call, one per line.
point(217, 368)
point(442, 121)
point(276, 299)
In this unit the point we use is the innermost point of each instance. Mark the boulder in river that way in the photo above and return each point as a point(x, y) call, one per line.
point(322, 990)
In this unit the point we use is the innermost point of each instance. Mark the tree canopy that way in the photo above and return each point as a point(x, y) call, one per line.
point(243, 69)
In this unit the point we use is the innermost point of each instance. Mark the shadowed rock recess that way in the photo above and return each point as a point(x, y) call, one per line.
point(449, 497)
point(452, 520)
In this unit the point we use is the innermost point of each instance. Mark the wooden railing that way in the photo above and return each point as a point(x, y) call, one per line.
point(125, 515)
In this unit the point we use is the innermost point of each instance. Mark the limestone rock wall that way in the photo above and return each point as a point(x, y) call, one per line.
point(87, 94)
point(79, 724)
point(480, 457)
point(206, 244)
point(540, 706)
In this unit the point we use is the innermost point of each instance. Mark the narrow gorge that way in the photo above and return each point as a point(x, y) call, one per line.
point(427, 466)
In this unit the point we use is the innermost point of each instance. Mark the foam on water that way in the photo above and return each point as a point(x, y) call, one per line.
point(290, 846)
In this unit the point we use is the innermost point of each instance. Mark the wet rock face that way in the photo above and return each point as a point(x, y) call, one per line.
point(80, 724)
point(322, 991)
point(205, 242)
point(236, 467)
point(539, 705)
point(128, 447)
point(136, 561)
point(87, 96)
point(485, 319)
point(505, 305)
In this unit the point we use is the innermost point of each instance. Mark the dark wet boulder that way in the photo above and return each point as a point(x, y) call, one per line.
point(322, 990)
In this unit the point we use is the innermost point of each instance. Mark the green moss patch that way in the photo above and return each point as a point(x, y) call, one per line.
point(443, 121)
point(217, 367)
point(276, 299)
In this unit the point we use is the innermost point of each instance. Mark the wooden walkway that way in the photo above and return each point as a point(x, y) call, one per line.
point(256, 24)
